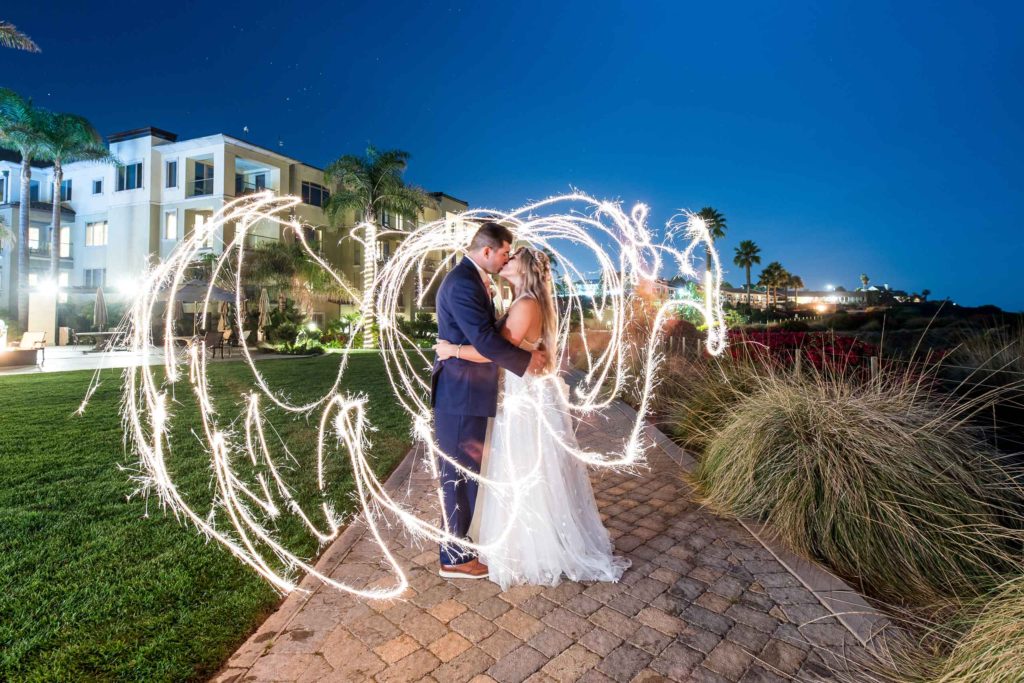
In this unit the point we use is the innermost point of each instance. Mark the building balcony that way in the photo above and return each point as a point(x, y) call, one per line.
point(244, 187)
point(43, 251)
point(201, 187)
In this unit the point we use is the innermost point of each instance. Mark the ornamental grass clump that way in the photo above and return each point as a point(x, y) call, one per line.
point(877, 479)
point(992, 649)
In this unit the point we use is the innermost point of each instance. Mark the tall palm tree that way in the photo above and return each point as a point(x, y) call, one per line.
point(715, 222)
point(796, 283)
point(864, 280)
point(21, 130)
point(67, 138)
point(772, 277)
point(370, 185)
point(925, 293)
point(10, 36)
point(748, 254)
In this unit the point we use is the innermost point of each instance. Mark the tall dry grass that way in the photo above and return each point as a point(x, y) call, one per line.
point(882, 480)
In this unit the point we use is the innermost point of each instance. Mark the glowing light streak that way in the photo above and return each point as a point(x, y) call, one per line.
point(621, 244)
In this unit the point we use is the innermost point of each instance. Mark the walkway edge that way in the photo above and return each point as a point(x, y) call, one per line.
point(338, 549)
point(867, 624)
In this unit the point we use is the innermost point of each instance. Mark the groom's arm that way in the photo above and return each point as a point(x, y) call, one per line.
point(473, 317)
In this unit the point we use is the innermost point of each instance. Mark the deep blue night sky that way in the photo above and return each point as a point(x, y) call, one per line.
point(884, 138)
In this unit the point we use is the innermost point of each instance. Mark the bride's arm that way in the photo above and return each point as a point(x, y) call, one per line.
point(521, 318)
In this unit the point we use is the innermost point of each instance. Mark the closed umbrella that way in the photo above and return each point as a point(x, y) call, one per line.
point(222, 322)
point(264, 313)
point(99, 311)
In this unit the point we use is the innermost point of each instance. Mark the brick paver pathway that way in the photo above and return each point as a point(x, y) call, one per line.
point(703, 601)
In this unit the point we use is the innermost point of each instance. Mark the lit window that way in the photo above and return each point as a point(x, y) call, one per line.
point(65, 242)
point(129, 176)
point(97, 186)
point(63, 279)
point(96, 234)
point(33, 279)
point(171, 225)
point(33, 238)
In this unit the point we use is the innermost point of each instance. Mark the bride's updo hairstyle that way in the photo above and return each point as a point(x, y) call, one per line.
point(535, 273)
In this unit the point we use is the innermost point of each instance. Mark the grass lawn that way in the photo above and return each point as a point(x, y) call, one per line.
point(92, 588)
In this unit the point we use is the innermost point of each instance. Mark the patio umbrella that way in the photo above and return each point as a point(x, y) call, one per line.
point(196, 290)
point(222, 321)
point(99, 311)
point(264, 313)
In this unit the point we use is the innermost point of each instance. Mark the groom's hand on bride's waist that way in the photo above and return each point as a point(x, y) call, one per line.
point(538, 361)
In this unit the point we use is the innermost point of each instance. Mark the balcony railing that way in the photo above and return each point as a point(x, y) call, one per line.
point(202, 187)
point(43, 251)
point(243, 187)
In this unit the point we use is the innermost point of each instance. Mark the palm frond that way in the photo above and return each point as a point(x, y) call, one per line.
point(11, 37)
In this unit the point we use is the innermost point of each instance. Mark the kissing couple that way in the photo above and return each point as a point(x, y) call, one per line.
point(550, 527)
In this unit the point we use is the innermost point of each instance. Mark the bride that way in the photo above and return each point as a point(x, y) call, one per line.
point(555, 529)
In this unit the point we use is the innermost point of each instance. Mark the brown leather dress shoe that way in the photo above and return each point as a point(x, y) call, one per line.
point(474, 569)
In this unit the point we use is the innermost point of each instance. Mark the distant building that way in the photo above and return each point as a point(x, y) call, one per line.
point(116, 219)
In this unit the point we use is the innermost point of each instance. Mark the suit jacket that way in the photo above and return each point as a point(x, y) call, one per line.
point(465, 315)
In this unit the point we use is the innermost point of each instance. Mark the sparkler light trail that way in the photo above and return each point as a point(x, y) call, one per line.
point(249, 489)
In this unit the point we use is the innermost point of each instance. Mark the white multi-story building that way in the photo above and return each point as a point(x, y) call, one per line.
point(115, 219)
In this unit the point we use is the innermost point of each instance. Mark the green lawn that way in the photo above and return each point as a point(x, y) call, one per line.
point(92, 588)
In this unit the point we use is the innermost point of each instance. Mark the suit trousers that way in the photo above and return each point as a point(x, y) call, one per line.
point(461, 438)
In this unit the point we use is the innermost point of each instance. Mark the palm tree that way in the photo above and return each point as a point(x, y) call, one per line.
point(795, 283)
point(747, 254)
point(286, 265)
point(864, 280)
point(925, 293)
point(20, 130)
point(67, 138)
point(772, 277)
point(371, 185)
point(12, 37)
point(715, 222)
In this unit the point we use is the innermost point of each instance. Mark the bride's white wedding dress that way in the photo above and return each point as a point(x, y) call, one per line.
point(555, 530)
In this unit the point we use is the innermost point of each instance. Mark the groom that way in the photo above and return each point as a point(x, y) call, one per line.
point(464, 395)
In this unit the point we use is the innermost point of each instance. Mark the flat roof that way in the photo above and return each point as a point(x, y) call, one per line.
point(148, 131)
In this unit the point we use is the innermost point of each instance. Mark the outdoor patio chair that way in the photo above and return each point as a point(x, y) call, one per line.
point(213, 341)
point(32, 341)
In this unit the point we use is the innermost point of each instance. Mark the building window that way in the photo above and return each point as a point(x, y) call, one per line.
point(199, 225)
point(95, 277)
point(171, 225)
point(33, 190)
point(3, 188)
point(129, 176)
point(357, 255)
point(33, 279)
point(96, 234)
point(65, 242)
point(65, 190)
point(97, 186)
point(33, 238)
point(314, 194)
point(172, 173)
point(203, 183)
point(317, 319)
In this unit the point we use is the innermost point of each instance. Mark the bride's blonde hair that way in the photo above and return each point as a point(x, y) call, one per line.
point(535, 275)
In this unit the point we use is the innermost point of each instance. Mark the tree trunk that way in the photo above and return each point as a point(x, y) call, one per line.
point(58, 176)
point(24, 211)
point(748, 288)
point(369, 275)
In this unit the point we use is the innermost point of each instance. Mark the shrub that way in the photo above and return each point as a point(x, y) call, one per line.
point(794, 325)
point(872, 478)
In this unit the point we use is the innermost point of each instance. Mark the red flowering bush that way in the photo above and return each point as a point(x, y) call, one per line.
point(822, 350)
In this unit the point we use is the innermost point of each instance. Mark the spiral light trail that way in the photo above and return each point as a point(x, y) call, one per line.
point(244, 506)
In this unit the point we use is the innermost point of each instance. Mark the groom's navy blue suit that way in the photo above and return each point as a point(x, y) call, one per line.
point(465, 394)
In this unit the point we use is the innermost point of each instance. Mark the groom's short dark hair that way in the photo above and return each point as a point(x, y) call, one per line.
point(491, 234)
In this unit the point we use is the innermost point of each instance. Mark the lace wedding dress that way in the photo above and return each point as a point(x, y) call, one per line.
point(549, 527)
